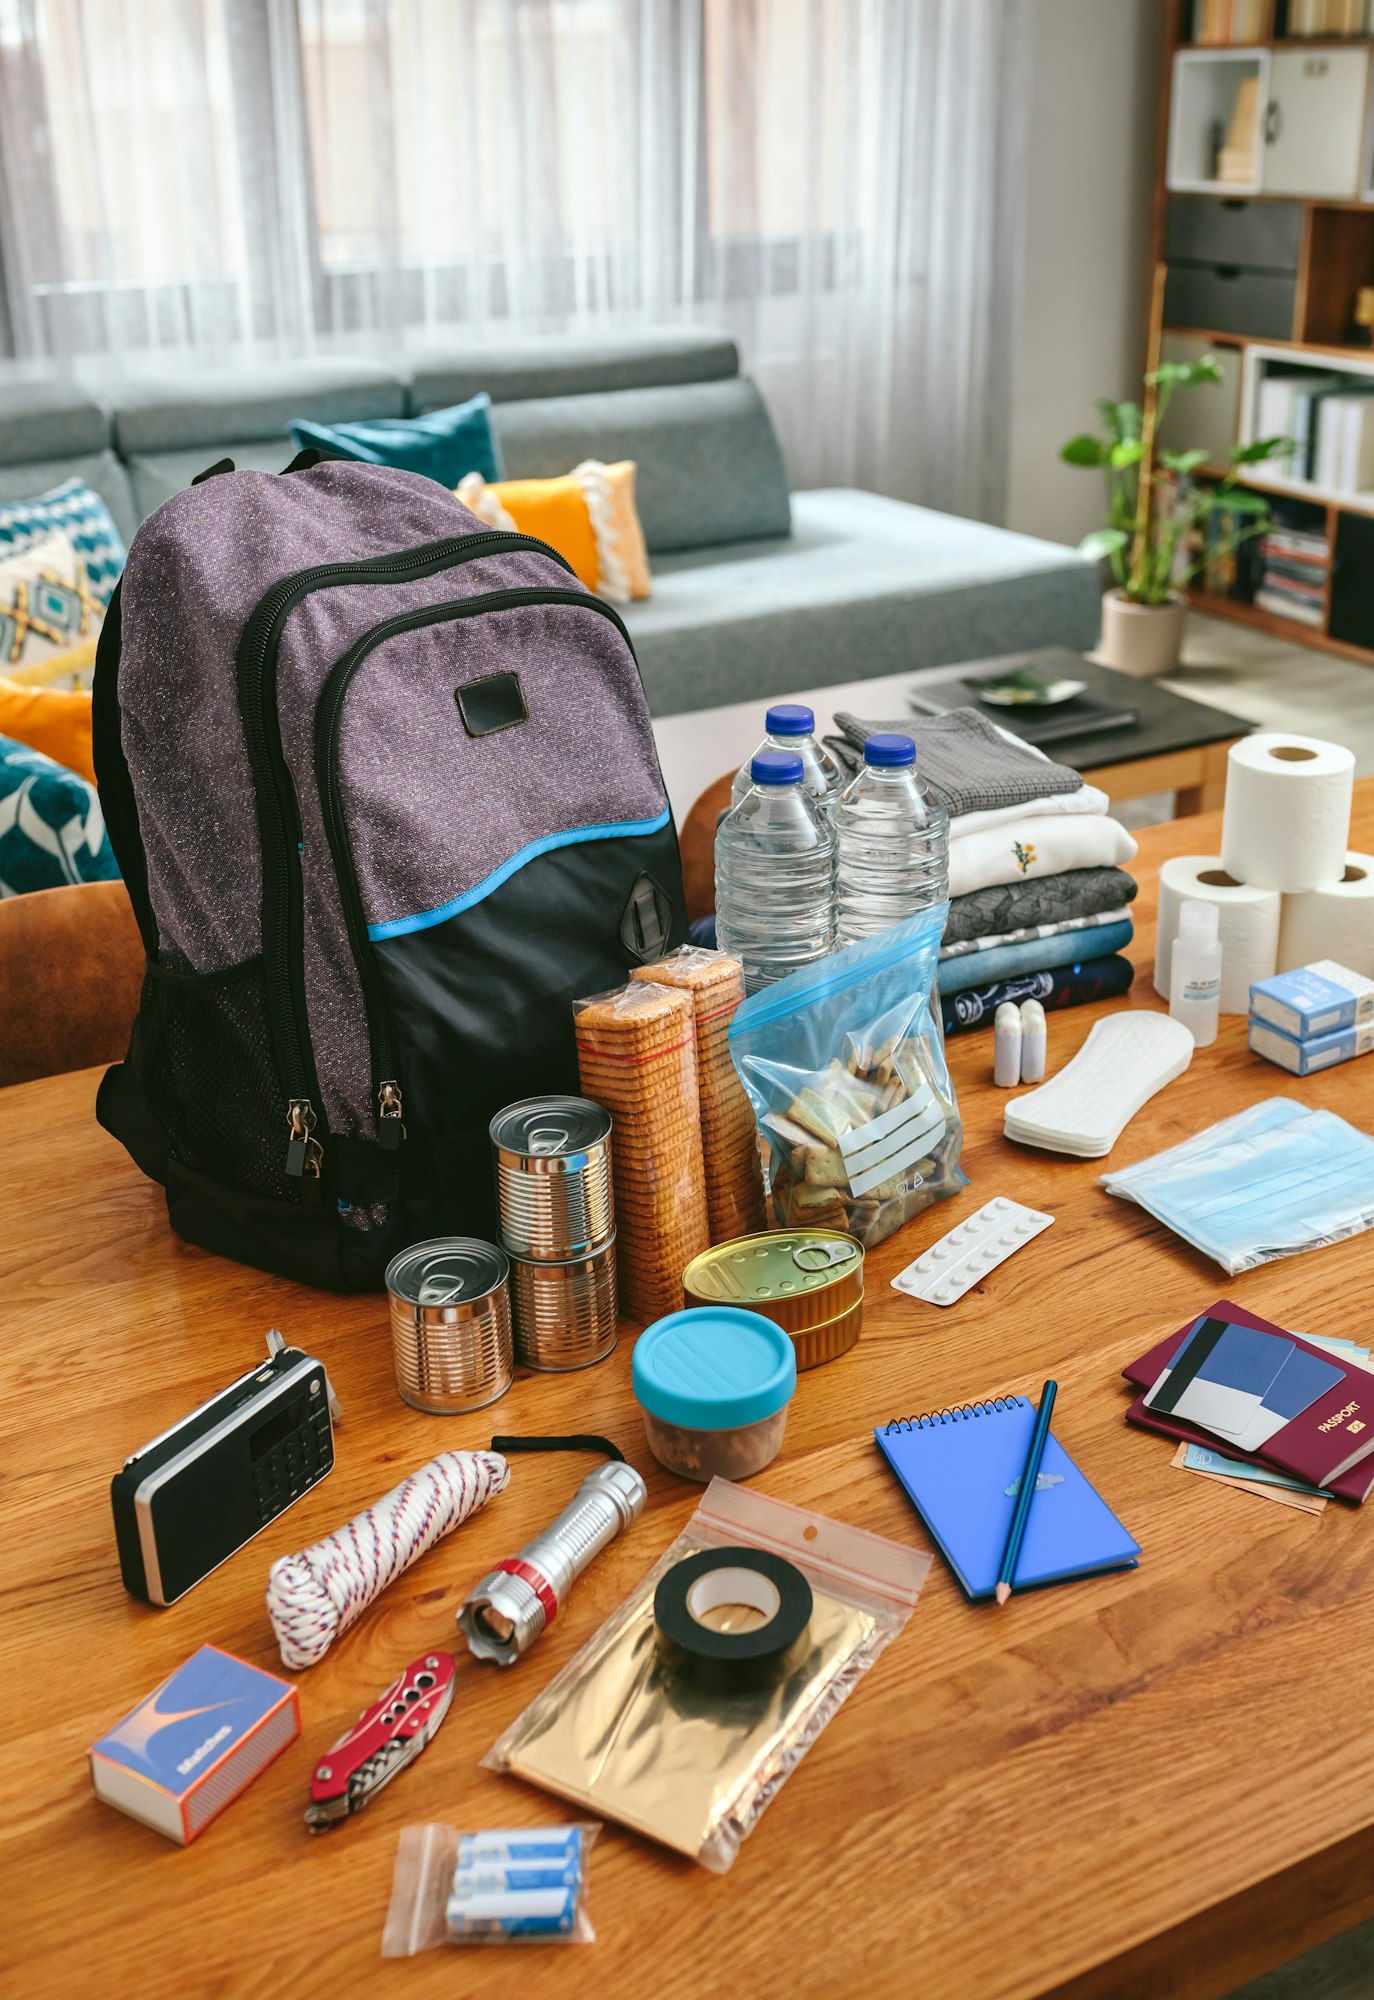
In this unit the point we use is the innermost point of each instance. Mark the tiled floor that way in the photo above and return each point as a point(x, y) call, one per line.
point(1271, 683)
point(1278, 685)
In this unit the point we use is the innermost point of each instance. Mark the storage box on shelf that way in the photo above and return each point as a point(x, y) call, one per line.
point(1216, 126)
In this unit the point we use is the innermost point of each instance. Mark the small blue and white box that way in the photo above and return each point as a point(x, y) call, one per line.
point(1315, 1000)
point(178, 1759)
point(1315, 1052)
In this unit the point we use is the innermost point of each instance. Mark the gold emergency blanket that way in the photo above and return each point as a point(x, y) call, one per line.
point(637, 1738)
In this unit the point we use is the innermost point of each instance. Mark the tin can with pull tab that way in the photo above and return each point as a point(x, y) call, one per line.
point(810, 1282)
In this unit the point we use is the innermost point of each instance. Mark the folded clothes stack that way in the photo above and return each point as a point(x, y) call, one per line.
point(1039, 898)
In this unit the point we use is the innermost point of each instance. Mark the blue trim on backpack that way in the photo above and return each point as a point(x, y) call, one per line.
point(399, 926)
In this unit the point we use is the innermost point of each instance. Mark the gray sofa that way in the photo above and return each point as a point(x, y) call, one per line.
point(757, 591)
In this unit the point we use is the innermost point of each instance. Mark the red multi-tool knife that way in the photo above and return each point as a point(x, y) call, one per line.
point(384, 1739)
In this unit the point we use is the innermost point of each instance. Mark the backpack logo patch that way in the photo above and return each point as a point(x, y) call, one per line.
point(495, 702)
point(646, 921)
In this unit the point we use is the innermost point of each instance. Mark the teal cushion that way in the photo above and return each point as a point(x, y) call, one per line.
point(445, 445)
point(78, 510)
point(52, 830)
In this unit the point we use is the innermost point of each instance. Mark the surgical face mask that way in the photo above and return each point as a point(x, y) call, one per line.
point(1264, 1184)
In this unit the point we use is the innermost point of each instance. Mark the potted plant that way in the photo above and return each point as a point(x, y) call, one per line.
point(1155, 511)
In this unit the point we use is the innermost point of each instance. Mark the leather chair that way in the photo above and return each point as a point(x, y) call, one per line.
point(71, 969)
point(697, 846)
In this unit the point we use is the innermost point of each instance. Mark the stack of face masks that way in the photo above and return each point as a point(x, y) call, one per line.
point(1271, 1181)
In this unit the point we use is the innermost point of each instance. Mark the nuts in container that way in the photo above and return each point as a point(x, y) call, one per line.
point(714, 1384)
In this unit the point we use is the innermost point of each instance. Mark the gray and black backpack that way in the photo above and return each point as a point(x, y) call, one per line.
point(384, 790)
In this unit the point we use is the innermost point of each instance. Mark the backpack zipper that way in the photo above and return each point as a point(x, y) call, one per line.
point(279, 824)
point(328, 720)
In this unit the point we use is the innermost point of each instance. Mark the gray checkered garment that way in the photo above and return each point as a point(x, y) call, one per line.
point(965, 759)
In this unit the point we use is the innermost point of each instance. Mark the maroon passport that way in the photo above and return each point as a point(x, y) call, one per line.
point(1302, 1448)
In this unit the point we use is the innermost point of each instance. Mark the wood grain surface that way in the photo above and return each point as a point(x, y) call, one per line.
point(1151, 1783)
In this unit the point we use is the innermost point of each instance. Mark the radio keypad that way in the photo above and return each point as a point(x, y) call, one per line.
point(290, 1468)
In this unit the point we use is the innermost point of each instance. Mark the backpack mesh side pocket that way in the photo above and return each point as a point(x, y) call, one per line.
point(208, 1073)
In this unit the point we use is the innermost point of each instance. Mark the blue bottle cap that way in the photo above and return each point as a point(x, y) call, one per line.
point(776, 767)
point(789, 718)
point(713, 1368)
point(889, 752)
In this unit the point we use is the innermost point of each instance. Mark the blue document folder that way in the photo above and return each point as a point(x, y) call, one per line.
point(961, 1469)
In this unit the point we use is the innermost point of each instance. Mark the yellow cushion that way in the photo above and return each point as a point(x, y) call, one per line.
point(588, 515)
point(55, 720)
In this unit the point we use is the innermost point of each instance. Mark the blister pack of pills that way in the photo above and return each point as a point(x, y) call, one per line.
point(943, 1273)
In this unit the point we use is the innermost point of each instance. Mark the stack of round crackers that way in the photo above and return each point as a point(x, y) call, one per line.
point(636, 1055)
point(734, 1173)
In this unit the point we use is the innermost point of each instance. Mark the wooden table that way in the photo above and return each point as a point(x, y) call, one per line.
point(1145, 1784)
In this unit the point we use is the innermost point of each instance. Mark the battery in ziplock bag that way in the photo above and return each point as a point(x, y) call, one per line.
point(845, 1067)
point(683, 1716)
point(1268, 1182)
point(507, 1885)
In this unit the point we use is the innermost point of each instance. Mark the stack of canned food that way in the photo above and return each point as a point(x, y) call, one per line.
point(553, 1186)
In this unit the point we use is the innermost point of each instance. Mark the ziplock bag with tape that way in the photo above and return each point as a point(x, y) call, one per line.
point(687, 1711)
point(845, 1067)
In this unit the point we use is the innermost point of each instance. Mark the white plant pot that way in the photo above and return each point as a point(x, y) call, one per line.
point(1141, 639)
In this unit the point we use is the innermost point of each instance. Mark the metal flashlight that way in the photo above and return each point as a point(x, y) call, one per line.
point(505, 1613)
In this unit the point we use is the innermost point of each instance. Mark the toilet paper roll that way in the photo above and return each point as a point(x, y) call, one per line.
point(1247, 924)
point(1337, 922)
point(1285, 823)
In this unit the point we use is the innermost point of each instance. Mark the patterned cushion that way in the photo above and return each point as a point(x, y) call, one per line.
point(46, 606)
point(78, 511)
point(52, 830)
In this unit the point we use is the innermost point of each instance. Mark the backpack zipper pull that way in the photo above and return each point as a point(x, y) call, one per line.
point(390, 1130)
point(303, 1154)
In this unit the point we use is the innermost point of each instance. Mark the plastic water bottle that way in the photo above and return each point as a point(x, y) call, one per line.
point(775, 873)
point(893, 842)
point(790, 726)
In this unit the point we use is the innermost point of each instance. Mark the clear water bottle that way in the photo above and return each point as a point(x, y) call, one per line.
point(790, 726)
point(893, 842)
point(775, 873)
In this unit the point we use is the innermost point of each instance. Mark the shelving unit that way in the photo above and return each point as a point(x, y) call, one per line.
point(1263, 272)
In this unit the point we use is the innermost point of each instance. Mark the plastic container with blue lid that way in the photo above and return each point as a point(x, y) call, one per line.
point(714, 1384)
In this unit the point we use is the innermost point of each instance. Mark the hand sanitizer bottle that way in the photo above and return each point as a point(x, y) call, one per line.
point(1195, 976)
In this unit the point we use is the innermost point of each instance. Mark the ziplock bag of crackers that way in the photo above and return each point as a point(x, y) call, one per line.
point(684, 1715)
point(845, 1067)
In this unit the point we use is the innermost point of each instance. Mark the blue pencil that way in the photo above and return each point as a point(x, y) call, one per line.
point(1030, 1473)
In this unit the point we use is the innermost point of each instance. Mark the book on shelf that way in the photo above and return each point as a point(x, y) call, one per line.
point(1316, 18)
point(1219, 22)
point(1344, 456)
point(1236, 154)
point(1284, 540)
point(1291, 406)
point(1280, 605)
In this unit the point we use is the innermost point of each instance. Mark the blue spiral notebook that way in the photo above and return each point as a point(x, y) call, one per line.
point(961, 1470)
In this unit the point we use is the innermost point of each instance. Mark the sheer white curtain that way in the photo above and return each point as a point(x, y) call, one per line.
point(837, 181)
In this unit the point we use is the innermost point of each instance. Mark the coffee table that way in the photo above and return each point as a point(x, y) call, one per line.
point(1179, 745)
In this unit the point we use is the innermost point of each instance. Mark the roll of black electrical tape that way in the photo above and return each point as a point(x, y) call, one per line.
point(704, 1582)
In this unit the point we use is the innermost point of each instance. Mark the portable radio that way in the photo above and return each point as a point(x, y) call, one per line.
point(194, 1494)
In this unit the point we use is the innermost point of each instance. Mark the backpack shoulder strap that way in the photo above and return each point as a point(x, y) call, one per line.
point(112, 778)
